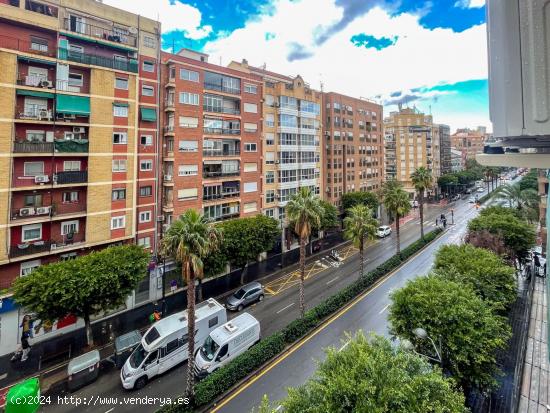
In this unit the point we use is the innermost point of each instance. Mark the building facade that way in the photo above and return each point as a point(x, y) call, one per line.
point(469, 141)
point(212, 146)
point(411, 141)
point(78, 115)
point(292, 156)
point(353, 144)
point(457, 160)
point(445, 149)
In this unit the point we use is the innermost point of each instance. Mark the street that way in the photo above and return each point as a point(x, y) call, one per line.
point(281, 307)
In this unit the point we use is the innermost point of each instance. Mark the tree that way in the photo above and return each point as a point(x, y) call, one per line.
point(517, 197)
point(469, 331)
point(481, 270)
point(189, 240)
point(530, 180)
point(492, 242)
point(371, 375)
point(330, 216)
point(86, 286)
point(444, 181)
point(304, 212)
point(360, 226)
point(397, 202)
point(244, 239)
point(422, 180)
point(350, 199)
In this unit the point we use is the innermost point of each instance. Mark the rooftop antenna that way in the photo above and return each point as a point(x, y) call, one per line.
point(264, 66)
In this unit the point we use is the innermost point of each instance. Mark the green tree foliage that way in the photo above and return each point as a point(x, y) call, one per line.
point(422, 180)
point(360, 227)
point(530, 181)
point(369, 199)
point(446, 180)
point(330, 216)
point(371, 375)
point(469, 330)
point(480, 269)
point(396, 201)
point(86, 286)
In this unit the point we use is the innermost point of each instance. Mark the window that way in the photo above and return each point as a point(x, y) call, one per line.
point(188, 170)
point(213, 322)
point(120, 111)
point(71, 166)
point(33, 168)
point(250, 88)
point(36, 135)
point(250, 207)
point(28, 267)
point(269, 139)
point(250, 187)
point(121, 83)
point(250, 167)
point(188, 122)
point(69, 227)
point(270, 195)
point(119, 165)
point(251, 108)
point(31, 232)
point(146, 165)
point(190, 193)
point(149, 41)
point(118, 222)
point(39, 44)
point(270, 120)
point(188, 146)
point(34, 200)
point(120, 138)
point(147, 90)
point(250, 127)
point(75, 49)
point(189, 75)
point(146, 140)
point(270, 177)
point(270, 158)
point(270, 213)
point(118, 194)
point(250, 147)
point(70, 196)
point(148, 66)
point(145, 216)
point(187, 98)
point(144, 242)
point(145, 191)
point(76, 79)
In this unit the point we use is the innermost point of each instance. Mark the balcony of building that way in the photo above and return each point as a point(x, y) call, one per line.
point(38, 7)
point(43, 46)
point(220, 169)
point(45, 75)
point(221, 212)
point(50, 204)
point(222, 83)
point(39, 171)
point(171, 81)
point(58, 146)
point(101, 29)
point(170, 101)
point(218, 126)
point(225, 190)
point(168, 174)
point(221, 148)
point(70, 177)
point(221, 104)
point(90, 54)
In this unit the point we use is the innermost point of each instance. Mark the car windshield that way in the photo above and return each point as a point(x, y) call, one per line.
point(209, 348)
point(138, 356)
point(381, 229)
point(239, 294)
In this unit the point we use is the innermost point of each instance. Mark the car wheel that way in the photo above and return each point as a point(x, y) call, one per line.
point(140, 383)
point(240, 307)
point(261, 298)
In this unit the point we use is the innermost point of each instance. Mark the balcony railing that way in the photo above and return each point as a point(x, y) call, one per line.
point(23, 249)
point(222, 131)
point(223, 195)
point(222, 88)
point(13, 43)
point(35, 112)
point(41, 8)
point(71, 177)
point(169, 128)
point(33, 147)
point(63, 146)
point(47, 210)
point(217, 174)
point(128, 65)
point(220, 152)
point(72, 146)
point(227, 215)
point(100, 32)
point(217, 109)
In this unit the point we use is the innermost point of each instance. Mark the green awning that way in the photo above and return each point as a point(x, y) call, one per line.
point(34, 60)
point(148, 114)
point(75, 105)
point(35, 94)
point(99, 41)
point(121, 104)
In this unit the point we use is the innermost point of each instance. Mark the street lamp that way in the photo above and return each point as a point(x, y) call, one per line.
point(422, 334)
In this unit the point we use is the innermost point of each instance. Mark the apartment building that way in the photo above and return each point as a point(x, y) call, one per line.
point(212, 146)
point(469, 141)
point(543, 205)
point(411, 141)
point(445, 149)
point(353, 144)
point(292, 155)
point(78, 117)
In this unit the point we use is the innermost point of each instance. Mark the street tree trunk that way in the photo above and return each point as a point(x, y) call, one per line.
point(302, 275)
point(397, 234)
point(361, 258)
point(190, 390)
point(421, 208)
point(88, 326)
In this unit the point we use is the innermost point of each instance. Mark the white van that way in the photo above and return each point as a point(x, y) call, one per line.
point(225, 343)
point(164, 345)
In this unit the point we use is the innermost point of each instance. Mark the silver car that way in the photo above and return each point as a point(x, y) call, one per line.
point(247, 294)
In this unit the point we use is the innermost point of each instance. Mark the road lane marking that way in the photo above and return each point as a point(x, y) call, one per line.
point(384, 309)
point(345, 345)
point(279, 407)
point(331, 281)
point(299, 344)
point(110, 410)
point(284, 308)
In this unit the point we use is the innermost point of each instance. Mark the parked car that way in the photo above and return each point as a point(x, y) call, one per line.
point(247, 294)
point(480, 190)
point(383, 231)
point(455, 197)
point(468, 191)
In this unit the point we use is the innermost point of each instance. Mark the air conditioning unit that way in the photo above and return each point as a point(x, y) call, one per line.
point(40, 179)
point(43, 210)
point(46, 84)
point(132, 55)
point(78, 129)
point(53, 246)
point(277, 161)
point(25, 212)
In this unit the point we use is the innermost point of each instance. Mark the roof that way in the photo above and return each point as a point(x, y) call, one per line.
point(232, 328)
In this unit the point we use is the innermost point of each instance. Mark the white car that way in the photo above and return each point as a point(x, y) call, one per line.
point(383, 231)
point(481, 190)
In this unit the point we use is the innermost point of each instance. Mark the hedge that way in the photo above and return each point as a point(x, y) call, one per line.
point(225, 378)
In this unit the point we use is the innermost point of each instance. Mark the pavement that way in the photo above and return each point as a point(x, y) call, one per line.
point(278, 309)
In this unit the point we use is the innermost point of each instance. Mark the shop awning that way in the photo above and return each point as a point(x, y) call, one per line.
point(47, 95)
point(75, 105)
point(148, 114)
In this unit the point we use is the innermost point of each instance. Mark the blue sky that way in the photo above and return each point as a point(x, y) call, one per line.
point(431, 54)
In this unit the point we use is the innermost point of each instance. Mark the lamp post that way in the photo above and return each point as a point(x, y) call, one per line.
point(421, 334)
point(160, 220)
point(282, 244)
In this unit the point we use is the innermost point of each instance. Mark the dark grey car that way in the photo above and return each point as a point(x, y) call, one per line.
point(247, 294)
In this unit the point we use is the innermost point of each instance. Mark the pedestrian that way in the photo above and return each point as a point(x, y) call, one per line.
point(444, 223)
point(436, 222)
point(26, 333)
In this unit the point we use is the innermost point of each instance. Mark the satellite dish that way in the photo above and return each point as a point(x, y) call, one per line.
point(133, 30)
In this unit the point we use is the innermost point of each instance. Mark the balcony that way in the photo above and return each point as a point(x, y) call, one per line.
point(222, 131)
point(12, 43)
point(33, 147)
point(117, 36)
point(35, 112)
point(62, 146)
point(221, 152)
point(41, 8)
point(220, 174)
point(36, 247)
point(218, 109)
point(70, 177)
point(169, 130)
point(223, 195)
point(222, 88)
point(31, 213)
point(128, 65)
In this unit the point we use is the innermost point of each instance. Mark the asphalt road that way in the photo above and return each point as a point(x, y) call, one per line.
point(107, 394)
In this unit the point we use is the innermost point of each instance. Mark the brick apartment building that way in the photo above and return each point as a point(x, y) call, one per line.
point(212, 146)
point(353, 144)
point(79, 91)
point(469, 141)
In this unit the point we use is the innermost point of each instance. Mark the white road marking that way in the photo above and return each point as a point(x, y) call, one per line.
point(331, 281)
point(110, 410)
point(279, 407)
point(284, 308)
point(384, 309)
point(3, 376)
point(345, 345)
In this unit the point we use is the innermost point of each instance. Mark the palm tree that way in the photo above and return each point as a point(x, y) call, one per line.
point(304, 212)
point(359, 225)
point(520, 198)
point(422, 180)
point(189, 240)
point(396, 201)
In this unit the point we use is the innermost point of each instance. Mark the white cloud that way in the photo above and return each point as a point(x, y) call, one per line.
point(470, 4)
point(173, 15)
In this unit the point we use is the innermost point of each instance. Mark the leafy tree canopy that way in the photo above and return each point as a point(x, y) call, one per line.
point(530, 181)
point(350, 199)
point(330, 216)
